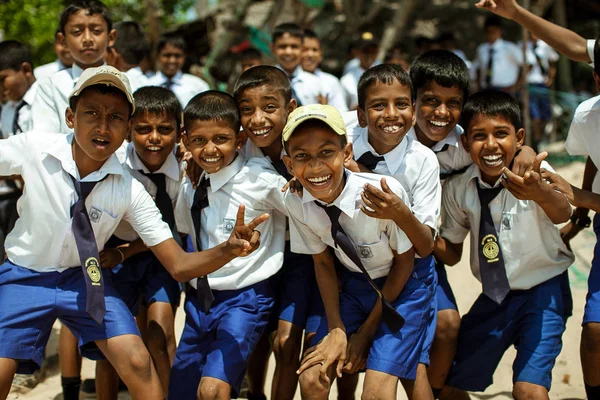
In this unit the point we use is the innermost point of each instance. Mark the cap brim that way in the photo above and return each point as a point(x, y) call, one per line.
point(107, 79)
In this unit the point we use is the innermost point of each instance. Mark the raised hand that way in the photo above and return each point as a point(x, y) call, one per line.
point(244, 238)
point(503, 8)
point(382, 204)
point(530, 186)
point(560, 184)
point(329, 350)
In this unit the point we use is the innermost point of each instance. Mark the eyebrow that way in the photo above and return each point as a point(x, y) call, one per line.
point(384, 99)
point(267, 97)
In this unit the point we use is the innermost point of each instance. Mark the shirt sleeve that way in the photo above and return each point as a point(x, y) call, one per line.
point(183, 216)
point(590, 49)
point(302, 239)
point(335, 95)
point(145, 218)
point(12, 152)
point(44, 115)
point(455, 223)
point(427, 193)
point(575, 144)
point(397, 239)
point(275, 197)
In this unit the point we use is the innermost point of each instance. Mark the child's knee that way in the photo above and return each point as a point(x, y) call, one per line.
point(213, 389)
point(139, 362)
point(286, 346)
point(448, 325)
point(158, 338)
point(312, 386)
point(529, 391)
point(590, 337)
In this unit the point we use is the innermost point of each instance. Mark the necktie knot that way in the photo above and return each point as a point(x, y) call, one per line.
point(444, 148)
point(486, 195)
point(369, 160)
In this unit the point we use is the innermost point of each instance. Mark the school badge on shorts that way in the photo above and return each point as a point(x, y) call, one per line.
point(365, 252)
point(490, 248)
point(92, 267)
point(228, 225)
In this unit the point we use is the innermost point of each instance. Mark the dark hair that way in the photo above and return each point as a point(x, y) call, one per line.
point(263, 75)
point(384, 73)
point(250, 54)
point(491, 103)
point(210, 106)
point(310, 34)
point(292, 29)
point(92, 7)
point(492, 20)
point(13, 54)
point(311, 124)
point(175, 41)
point(102, 89)
point(442, 67)
point(157, 100)
point(596, 59)
point(131, 42)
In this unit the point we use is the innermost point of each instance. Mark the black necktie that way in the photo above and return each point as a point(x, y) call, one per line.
point(489, 71)
point(444, 148)
point(16, 127)
point(491, 263)
point(162, 199)
point(369, 160)
point(168, 84)
point(390, 316)
point(205, 295)
point(88, 252)
point(282, 169)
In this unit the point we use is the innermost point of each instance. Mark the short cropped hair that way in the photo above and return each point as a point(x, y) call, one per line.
point(263, 75)
point(596, 59)
point(92, 7)
point(310, 34)
point(157, 100)
point(102, 89)
point(384, 73)
point(250, 54)
point(210, 106)
point(131, 42)
point(13, 54)
point(491, 103)
point(492, 20)
point(442, 67)
point(290, 28)
point(175, 41)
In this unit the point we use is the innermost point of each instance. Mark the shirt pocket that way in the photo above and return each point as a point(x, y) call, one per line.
point(374, 254)
point(104, 222)
point(519, 232)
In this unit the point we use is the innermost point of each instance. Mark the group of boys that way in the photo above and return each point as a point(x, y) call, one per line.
point(296, 227)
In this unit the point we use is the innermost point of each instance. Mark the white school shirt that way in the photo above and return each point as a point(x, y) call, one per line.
point(532, 248)
point(137, 79)
point(582, 139)
point(185, 86)
point(355, 62)
point(52, 99)
point(332, 88)
point(350, 85)
point(8, 113)
point(590, 48)
point(256, 184)
point(452, 157)
point(416, 168)
point(306, 86)
point(48, 69)
point(546, 55)
point(508, 59)
point(310, 227)
point(170, 169)
point(42, 239)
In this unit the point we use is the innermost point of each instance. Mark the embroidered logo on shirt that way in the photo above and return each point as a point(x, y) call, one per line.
point(506, 222)
point(365, 252)
point(228, 225)
point(95, 214)
point(91, 267)
point(491, 250)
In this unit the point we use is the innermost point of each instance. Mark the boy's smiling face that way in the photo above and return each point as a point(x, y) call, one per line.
point(263, 114)
point(171, 60)
point(312, 55)
point(213, 144)
point(492, 142)
point(154, 136)
point(288, 52)
point(388, 114)
point(438, 111)
point(316, 158)
point(87, 37)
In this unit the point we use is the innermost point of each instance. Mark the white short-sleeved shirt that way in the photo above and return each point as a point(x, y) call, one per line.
point(185, 86)
point(532, 248)
point(332, 88)
point(416, 168)
point(42, 239)
point(306, 86)
point(256, 184)
point(590, 48)
point(48, 69)
point(134, 165)
point(137, 79)
point(546, 56)
point(52, 99)
point(583, 134)
point(508, 59)
point(24, 119)
point(452, 157)
point(310, 227)
point(350, 85)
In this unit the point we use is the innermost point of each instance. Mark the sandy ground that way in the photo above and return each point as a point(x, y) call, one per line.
point(567, 378)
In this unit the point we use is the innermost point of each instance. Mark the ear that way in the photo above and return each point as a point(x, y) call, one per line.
point(70, 118)
point(362, 118)
point(112, 35)
point(520, 137)
point(184, 138)
point(60, 37)
point(242, 138)
point(348, 153)
point(292, 105)
point(26, 68)
point(465, 141)
point(288, 164)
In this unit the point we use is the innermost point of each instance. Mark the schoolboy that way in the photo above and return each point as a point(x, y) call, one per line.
point(63, 60)
point(86, 31)
point(223, 325)
point(286, 46)
point(516, 252)
point(130, 48)
point(150, 159)
point(249, 58)
point(334, 211)
point(171, 52)
point(50, 246)
point(386, 115)
point(264, 98)
point(312, 57)
point(368, 47)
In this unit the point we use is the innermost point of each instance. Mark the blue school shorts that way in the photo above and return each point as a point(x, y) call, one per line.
point(444, 294)
point(32, 301)
point(428, 264)
point(218, 344)
point(398, 353)
point(532, 320)
point(539, 102)
point(592, 301)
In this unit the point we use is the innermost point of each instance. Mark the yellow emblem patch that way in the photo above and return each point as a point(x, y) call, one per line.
point(490, 248)
point(92, 267)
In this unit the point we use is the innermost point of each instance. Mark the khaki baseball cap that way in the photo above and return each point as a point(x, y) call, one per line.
point(328, 114)
point(104, 75)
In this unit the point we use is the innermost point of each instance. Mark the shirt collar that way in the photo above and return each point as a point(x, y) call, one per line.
point(452, 139)
point(61, 149)
point(220, 178)
point(393, 158)
point(175, 79)
point(76, 72)
point(473, 172)
point(170, 167)
point(297, 74)
point(346, 201)
point(135, 71)
point(30, 93)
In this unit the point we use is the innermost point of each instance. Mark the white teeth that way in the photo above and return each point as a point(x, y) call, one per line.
point(100, 140)
point(212, 159)
point(493, 161)
point(391, 128)
point(261, 132)
point(319, 180)
point(439, 123)
point(492, 158)
point(154, 148)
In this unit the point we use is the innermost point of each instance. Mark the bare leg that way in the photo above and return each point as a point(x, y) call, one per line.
point(160, 339)
point(443, 347)
point(590, 353)
point(213, 389)
point(347, 386)
point(419, 388)
point(257, 367)
point(313, 386)
point(70, 363)
point(287, 346)
point(379, 385)
point(107, 381)
point(529, 391)
point(8, 369)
